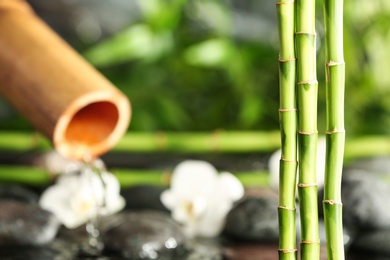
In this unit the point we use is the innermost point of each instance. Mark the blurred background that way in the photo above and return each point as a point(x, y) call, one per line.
point(202, 78)
point(204, 65)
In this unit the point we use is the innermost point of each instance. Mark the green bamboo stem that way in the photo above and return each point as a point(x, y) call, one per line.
point(335, 138)
point(34, 176)
point(288, 131)
point(23, 141)
point(307, 128)
point(199, 142)
point(150, 142)
point(25, 175)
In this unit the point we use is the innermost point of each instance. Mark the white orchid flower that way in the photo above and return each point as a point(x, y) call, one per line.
point(200, 198)
point(76, 198)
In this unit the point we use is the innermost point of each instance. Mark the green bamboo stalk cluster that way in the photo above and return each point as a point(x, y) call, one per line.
point(307, 88)
point(288, 127)
point(306, 96)
point(303, 25)
point(335, 133)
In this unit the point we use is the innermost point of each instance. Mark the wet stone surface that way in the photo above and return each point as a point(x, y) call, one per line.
point(253, 219)
point(17, 193)
point(203, 248)
point(374, 241)
point(29, 252)
point(365, 195)
point(365, 201)
point(143, 235)
point(22, 221)
point(27, 224)
point(251, 231)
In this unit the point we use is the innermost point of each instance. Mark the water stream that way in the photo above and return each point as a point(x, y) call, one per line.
point(91, 168)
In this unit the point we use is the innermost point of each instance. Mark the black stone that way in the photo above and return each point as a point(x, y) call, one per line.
point(204, 248)
point(143, 235)
point(17, 193)
point(365, 201)
point(26, 224)
point(13, 252)
point(253, 219)
point(373, 243)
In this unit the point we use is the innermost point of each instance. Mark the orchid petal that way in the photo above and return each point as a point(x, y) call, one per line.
point(76, 198)
point(194, 177)
point(231, 185)
point(200, 198)
point(168, 199)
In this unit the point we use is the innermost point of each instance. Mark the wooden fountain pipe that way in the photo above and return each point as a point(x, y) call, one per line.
point(55, 89)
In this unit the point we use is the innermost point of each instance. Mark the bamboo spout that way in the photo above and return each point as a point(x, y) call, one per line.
point(55, 89)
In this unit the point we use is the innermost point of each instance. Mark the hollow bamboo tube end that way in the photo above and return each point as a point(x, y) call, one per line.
point(92, 124)
point(55, 89)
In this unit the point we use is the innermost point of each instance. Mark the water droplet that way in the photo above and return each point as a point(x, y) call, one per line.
point(171, 243)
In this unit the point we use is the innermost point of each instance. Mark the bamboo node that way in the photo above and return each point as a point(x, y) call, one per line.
point(288, 251)
point(306, 185)
point(287, 160)
point(335, 131)
point(307, 33)
point(215, 136)
point(287, 60)
point(333, 202)
point(334, 63)
point(287, 109)
point(286, 208)
point(161, 141)
point(307, 132)
point(308, 82)
point(310, 242)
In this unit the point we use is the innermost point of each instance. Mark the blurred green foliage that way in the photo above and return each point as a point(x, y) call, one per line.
point(184, 69)
point(367, 53)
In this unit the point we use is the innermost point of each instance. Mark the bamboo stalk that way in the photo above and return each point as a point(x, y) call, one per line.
point(148, 142)
point(307, 128)
point(55, 89)
point(288, 129)
point(335, 138)
point(199, 142)
point(35, 176)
